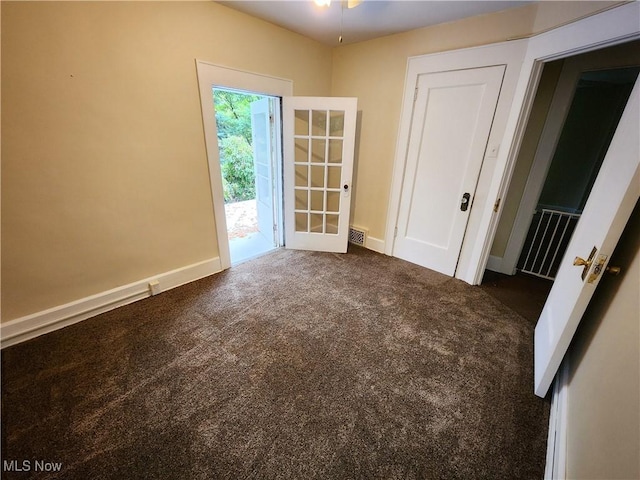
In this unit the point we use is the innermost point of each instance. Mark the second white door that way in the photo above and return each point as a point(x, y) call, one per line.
point(452, 118)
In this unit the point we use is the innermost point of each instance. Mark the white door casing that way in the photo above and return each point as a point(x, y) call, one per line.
point(612, 199)
point(524, 60)
point(263, 160)
point(452, 119)
point(558, 110)
point(318, 150)
point(210, 76)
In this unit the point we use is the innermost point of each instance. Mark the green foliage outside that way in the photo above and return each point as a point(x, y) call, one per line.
point(238, 178)
point(233, 118)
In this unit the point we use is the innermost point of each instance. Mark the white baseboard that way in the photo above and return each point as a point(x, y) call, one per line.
point(374, 244)
point(39, 323)
point(494, 264)
point(497, 264)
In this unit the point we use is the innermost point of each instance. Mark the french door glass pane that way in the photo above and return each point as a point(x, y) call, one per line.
point(302, 175)
point(333, 201)
point(302, 200)
point(332, 224)
point(317, 176)
point(302, 222)
point(336, 124)
point(318, 146)
point(333, 177)
point(316, 223)
point(317, 200)
point(319, 123)
point(301, 122)
point(318, 170)
point(335, 150)
point(301, 150)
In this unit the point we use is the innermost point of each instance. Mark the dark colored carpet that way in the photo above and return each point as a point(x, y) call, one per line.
point(524, 293)
point(297, 365)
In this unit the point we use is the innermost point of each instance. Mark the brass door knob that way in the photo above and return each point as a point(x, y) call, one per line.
point(581, 262)
point(613, 270)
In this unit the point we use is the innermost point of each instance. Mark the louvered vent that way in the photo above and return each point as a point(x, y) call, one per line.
point(357, 236)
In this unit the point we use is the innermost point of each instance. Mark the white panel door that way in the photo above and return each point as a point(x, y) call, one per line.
point(263, 152)
point(318, 149)
point(612, 199)
point(452, 117)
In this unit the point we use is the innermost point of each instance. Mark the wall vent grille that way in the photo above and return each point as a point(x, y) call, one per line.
point(357, 236)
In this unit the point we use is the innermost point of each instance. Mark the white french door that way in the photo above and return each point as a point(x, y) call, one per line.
point(452, 117)
point(318, 150)
point(262, 132)
point(612, 199)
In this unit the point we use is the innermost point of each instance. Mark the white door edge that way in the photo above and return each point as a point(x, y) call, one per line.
point(613, 197)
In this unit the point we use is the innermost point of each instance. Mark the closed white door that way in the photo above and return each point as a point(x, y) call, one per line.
point(612, 199)
point(318, 150)
point(452, 117)
point(263, 153)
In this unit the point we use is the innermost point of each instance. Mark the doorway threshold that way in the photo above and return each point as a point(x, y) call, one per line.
point(249, 247)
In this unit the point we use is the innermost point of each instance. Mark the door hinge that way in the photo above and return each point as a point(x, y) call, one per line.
point(496, 205)
point(415, 95)
point(395, 232)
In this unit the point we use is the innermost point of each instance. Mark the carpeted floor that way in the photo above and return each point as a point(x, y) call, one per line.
point(297, 365)
point(523, 293)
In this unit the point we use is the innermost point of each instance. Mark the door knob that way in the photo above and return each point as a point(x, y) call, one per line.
point(464, 204)
point(581, 262)
point(613, 270)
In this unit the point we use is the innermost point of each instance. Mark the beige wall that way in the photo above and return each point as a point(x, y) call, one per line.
point(553, 13)
point(374, 71)
point(104, 170)
point(603, 424)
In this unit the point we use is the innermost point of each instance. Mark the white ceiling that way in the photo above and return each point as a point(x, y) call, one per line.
point(370, 19)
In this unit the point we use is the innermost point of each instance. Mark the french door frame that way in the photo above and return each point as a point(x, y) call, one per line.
point(216, 76)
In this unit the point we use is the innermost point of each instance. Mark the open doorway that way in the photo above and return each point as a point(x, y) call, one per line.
point(248, 144)
point(598, 102)
point(576, 111)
